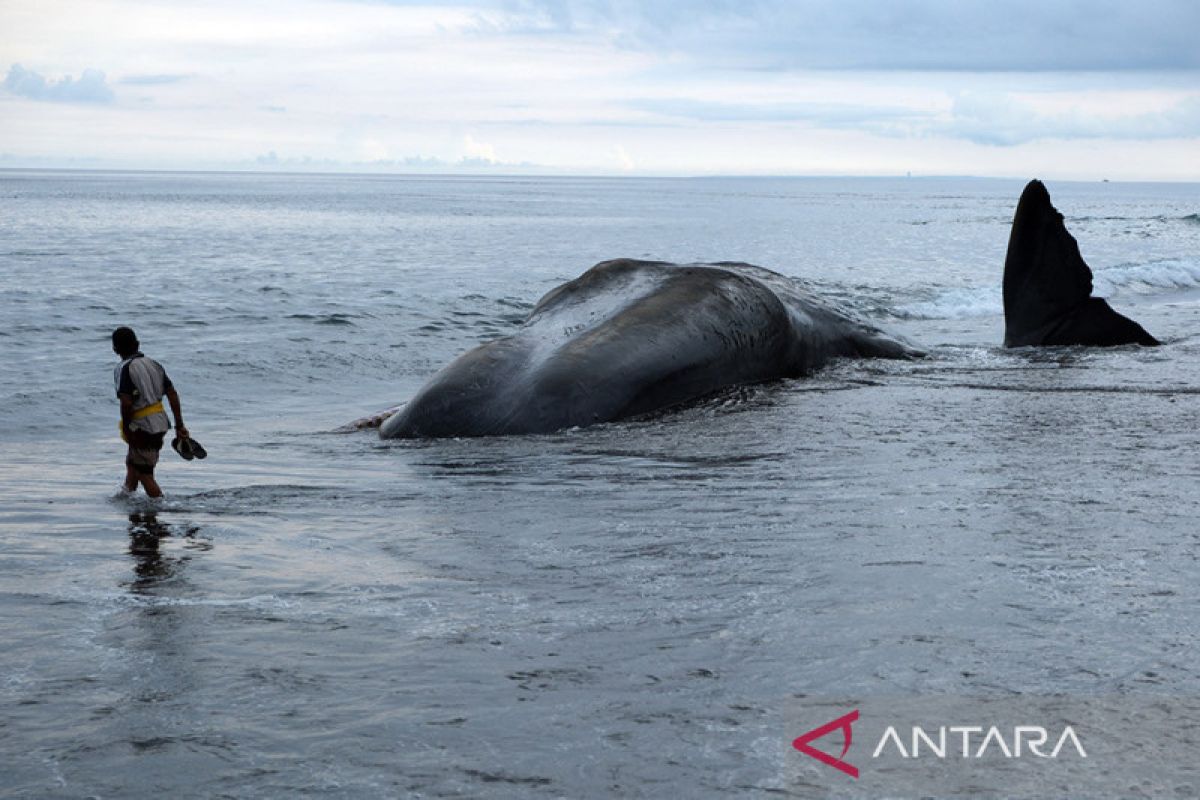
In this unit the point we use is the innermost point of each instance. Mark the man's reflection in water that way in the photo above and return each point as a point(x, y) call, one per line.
point(152, 567)
point(158, 634)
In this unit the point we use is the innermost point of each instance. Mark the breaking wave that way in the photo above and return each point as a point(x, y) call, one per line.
point(958, 303)
point(1150, 278)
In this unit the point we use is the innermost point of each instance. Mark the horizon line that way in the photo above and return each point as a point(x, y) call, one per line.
point(473, 175)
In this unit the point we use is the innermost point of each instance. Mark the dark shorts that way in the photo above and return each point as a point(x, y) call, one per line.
point(143, 451)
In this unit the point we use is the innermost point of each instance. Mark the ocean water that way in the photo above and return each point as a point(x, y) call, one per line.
point(653, 608)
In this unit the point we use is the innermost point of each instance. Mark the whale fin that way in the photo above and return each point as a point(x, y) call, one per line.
point(1048, 286)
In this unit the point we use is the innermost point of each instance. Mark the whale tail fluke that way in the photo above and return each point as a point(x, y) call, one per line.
point(1048, 286)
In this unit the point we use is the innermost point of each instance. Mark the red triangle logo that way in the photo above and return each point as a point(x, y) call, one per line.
point(843, 723)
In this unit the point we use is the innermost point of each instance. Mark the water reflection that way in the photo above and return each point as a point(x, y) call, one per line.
point(152, 567)
point(157, 635)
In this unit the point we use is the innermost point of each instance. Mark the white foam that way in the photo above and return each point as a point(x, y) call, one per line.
point(1150, 278)
point(961, 303)
point(112, 599)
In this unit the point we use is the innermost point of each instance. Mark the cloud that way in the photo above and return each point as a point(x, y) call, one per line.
point(824, 114)
point(919, 35)
point(1002, 120)
point(89, 88)
point(624, 162)
point(271, 160)
point(478, 153)
point(151, 80)
point(684, 87)
point(992, 118)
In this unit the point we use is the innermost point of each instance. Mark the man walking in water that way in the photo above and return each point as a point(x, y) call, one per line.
point(141, 385)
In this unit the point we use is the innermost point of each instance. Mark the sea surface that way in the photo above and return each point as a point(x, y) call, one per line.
point(652, 608)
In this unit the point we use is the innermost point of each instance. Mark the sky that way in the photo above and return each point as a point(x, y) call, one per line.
point(1060, 89)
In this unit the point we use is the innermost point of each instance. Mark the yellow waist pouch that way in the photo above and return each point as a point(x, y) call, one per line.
point(153, 408)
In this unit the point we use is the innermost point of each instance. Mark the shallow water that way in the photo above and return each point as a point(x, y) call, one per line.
point(634, 609)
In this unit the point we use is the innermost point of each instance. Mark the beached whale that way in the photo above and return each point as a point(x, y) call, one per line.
point(630, 337)
point(1048, 286)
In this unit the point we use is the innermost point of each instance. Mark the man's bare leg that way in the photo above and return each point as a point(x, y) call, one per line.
point(133, 477)
point(150, 484)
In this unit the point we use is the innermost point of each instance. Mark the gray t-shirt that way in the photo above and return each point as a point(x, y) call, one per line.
point(146, 381)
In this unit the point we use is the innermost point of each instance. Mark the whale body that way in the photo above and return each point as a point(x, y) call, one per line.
point(631, 337)
point(1048, 286)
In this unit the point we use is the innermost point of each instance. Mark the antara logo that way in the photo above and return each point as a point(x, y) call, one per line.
point(843, 723)
point(1033, 738)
